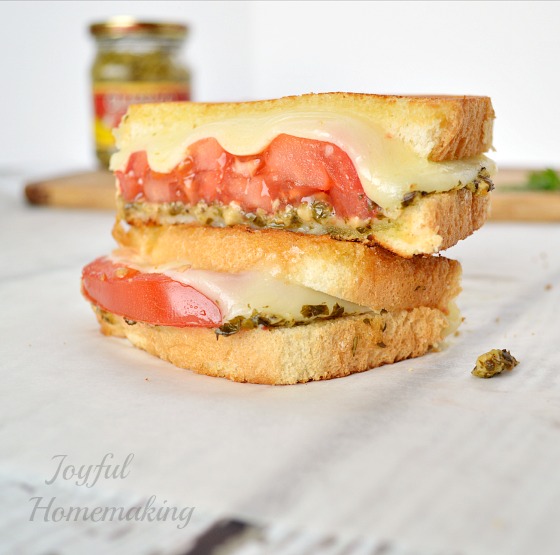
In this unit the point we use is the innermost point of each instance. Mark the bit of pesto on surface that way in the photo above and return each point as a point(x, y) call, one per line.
point(494, 362)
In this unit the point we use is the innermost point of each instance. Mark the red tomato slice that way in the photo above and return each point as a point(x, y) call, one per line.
point(131, 181)
point(147, 297)
point(253, 191)
point(138, 164)
point(299, 161)
point(289, 170)
point(161, 187)
point(208, 155)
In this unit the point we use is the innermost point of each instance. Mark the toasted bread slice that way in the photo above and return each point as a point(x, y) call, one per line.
point(408, 173)
point(368, 276)
point(321, 350)
point(437, 127)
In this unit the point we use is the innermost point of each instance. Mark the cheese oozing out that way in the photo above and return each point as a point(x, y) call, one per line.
point(388, 168)
point(241, 294)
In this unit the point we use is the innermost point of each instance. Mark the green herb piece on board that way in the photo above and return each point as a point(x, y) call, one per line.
point(546, 180)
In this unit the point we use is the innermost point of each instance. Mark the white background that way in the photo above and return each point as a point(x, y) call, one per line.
point(249, 50)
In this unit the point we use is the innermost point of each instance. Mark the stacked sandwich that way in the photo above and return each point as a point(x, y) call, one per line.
point(291, 240)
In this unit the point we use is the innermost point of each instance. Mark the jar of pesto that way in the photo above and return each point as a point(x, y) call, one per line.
point(136, 62)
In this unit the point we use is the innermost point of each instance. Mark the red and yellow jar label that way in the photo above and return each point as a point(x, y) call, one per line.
point(111, 101)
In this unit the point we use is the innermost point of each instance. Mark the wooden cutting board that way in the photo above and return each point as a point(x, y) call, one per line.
point(80, 190)
point(510, 202)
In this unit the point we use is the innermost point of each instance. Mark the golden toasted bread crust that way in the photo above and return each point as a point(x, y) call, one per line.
point(434, 222)
point(369, 276)
point(317, 351)
point(436, 127)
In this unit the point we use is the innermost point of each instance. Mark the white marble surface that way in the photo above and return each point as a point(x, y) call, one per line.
point(420, 454)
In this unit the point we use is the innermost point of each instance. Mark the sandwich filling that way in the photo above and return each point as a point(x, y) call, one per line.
point(177, 295)
point(286, 171)
point(297, 184)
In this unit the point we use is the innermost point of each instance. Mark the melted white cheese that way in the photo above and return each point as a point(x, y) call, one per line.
point(240, 294)
point(386, 166)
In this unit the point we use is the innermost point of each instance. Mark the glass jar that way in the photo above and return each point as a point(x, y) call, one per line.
point(136, 62)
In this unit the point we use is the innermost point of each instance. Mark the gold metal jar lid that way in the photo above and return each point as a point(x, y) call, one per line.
point(122, 26)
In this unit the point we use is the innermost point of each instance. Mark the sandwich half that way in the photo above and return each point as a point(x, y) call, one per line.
point(270, 306)
point(406, 172)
